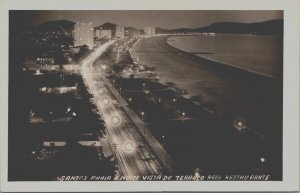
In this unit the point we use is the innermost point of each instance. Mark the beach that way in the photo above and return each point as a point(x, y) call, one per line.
point(234, 91)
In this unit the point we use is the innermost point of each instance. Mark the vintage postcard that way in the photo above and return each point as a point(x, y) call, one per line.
point(150, 96)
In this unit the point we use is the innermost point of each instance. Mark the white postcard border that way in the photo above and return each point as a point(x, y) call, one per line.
point(291, 95)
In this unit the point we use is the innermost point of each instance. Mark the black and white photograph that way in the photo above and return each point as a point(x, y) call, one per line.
point(146, 95)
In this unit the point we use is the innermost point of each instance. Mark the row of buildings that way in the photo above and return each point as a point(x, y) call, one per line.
point(85, 34)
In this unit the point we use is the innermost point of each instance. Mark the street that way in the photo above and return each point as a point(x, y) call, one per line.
point(133, 154)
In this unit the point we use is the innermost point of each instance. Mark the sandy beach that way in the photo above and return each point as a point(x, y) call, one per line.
point(235, 92)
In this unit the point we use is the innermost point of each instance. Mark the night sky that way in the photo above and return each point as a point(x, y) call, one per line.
point(140, 19)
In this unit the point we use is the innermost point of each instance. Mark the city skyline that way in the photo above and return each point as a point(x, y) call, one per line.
point(141, 19)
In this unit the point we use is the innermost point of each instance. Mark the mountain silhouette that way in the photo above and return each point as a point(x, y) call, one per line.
point(266, 27)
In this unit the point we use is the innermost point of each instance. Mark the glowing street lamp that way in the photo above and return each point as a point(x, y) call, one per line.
point(197, 173)
point(68, 110)
point(129, 146)
point(115, 120)
point(262, 161)
point(239, 123)
point(159, 100)
point(174, 100)
point(129, 99)
point(105, 101)
point(143, 114)
point(183, 115)
point(103, 67)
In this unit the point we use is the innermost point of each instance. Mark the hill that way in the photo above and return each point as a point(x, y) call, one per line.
point(267, 27)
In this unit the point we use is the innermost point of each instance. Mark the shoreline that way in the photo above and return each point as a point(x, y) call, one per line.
point(219, 61)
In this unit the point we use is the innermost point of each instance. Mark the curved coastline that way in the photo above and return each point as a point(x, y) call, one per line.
point(219, 61)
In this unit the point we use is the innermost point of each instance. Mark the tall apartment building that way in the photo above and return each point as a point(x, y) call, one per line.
point(119, 32)
point(84, 34)
point(149, 31)
point(100, 34)
point(129, 31)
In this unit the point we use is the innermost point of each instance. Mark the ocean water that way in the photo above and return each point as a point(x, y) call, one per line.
point(261, 54)
point(237, 95)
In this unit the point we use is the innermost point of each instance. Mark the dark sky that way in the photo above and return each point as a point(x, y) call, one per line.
point(140, 19)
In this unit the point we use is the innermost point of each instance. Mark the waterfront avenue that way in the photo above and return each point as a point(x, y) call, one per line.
point(135, 149)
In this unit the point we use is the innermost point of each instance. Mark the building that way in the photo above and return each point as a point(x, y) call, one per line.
point(149, 31)
point(103, 34)
point(132, 32)
point(119, 32)
point(84, 34)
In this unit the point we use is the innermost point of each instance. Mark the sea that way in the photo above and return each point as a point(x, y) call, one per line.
point(261, 54)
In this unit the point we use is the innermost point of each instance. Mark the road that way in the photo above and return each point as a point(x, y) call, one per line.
point(134, 155)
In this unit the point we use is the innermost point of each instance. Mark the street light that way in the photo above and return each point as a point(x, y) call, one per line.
point(31, 113)
point(105, 101)
point(239, 123)
point(197, 173)
point(129, 146)
point(159, 100)
point(68, 110)
point(103, 67)
point(174, 100)
point(262, 161)
point(129, 99)
point(115, 120)
point(183, 115)
point(142, 113)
